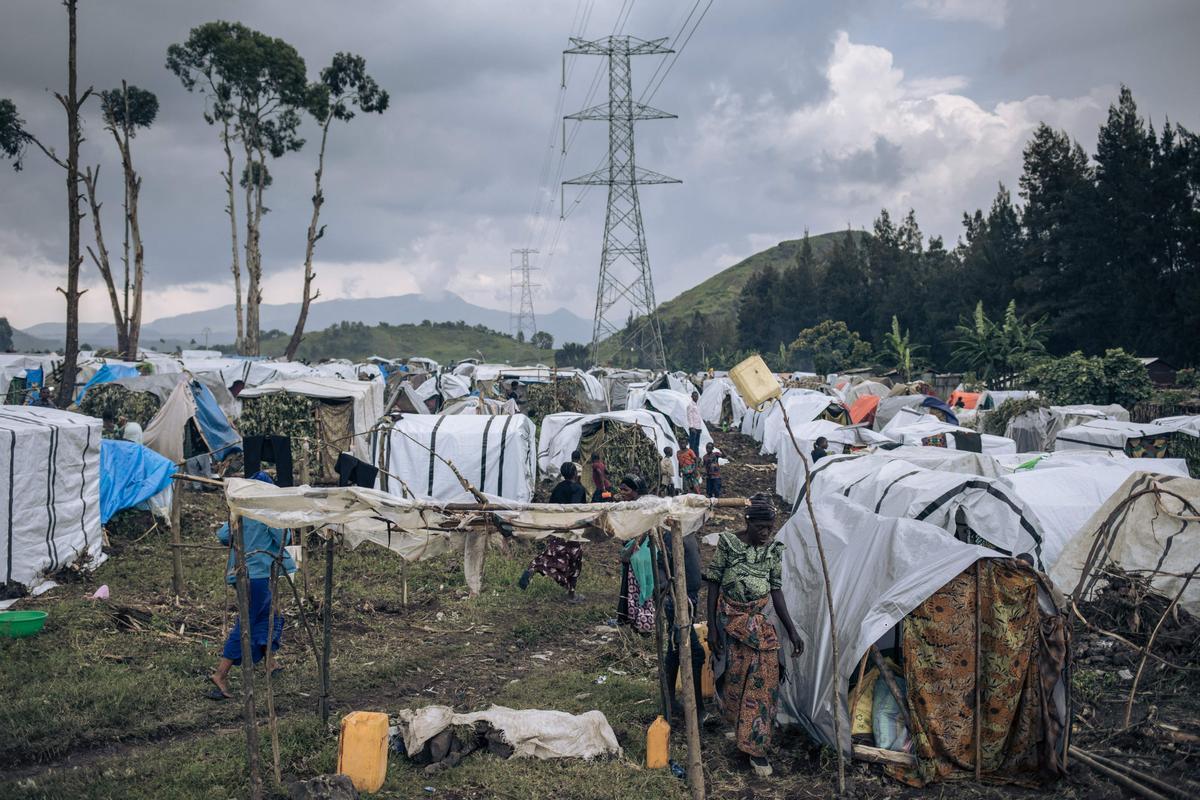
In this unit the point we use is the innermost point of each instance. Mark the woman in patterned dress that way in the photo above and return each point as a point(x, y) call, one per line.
point(743, 577)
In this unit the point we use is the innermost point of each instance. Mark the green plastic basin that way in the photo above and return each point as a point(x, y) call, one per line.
point(15, 624)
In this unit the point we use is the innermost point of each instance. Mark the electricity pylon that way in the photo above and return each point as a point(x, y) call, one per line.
point(624, 262)
point(523, 321)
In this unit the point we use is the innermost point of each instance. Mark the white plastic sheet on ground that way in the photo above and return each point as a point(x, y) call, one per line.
point(532, 733)
point(49, 492)
point(1154, 532)
point(880, 569)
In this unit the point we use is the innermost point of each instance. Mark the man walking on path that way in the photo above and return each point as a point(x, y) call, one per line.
point(695, 422)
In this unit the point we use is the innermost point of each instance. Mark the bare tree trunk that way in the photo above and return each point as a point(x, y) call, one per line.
point(133, 238)
point(100, 257)
point(231, 209)
point(318, 199)
point(71, 103)
point(250, 340)
point(123, 147)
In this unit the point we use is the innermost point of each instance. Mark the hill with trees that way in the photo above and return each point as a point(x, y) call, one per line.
point(441, 341)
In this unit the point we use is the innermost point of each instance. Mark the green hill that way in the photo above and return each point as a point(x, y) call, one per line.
point(717, 297)
point(441, 341)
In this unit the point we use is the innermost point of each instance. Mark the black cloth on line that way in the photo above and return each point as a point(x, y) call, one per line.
point(274, 449)
point(969, 442)
point(354, 472)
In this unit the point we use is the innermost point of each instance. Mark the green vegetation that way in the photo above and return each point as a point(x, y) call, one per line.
point(828, 347)
point(996, 351)
point(441, 341)
point(1116, 378)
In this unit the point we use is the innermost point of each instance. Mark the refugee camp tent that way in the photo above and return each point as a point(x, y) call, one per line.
point(855, 390)
point(721, 404)
point(889, 407)
point(1035, 430)
point(641, 435)
point(802, 405)
point(967, 507)
point(49, 493)
point(1150, 525)
point(1146, 440)
point(442, 389)
point(886, 572)
point(130, 475)
point(671, 404)
point(161, 386)
point(911, 427)
point(336, 416)
point(16, 369)
point(474, 404)
point(191, 423)
point(496, 385)
point(616, 384)
point(495, 454)
point(789, 470)
point(1188, 423)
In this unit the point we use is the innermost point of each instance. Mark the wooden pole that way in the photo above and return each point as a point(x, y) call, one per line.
point(833, 640)
point(978, 674)
point(177, 538)
point(248, 714)
point(1124, 780)
point(683, 629)
point(1150, 643)
point(885, 672)
point(272, 719)
point(1149, 780)
point(326, 628)
point(664, 692)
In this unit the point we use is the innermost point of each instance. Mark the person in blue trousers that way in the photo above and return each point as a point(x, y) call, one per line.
point(263, 546)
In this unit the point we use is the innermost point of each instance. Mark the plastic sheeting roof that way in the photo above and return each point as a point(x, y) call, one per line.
point(1105, 434)
point(130, 474)
point(673, 405)
point(712, 400)
point(367, 397)
point(561, 433)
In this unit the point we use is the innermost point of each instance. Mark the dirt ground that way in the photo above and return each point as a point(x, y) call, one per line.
point(108, 701)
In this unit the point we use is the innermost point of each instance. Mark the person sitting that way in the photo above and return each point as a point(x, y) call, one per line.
point(264, 546)
point(561, 561)
point(820, 449)
point(745, 574)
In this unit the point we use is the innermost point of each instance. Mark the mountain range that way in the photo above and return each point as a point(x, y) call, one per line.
point(216, 325)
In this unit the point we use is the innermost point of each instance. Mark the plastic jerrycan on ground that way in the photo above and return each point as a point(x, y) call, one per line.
point(362, 749)
point(658, 744)
point(755, 382)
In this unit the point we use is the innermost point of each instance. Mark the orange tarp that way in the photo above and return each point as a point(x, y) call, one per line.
point(864, 409)
point(970, 399)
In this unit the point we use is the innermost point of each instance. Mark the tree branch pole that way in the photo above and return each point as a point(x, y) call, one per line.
point(978, 673)
point(272, 719)
point(177, 539)
point(683, 630)
point(326, 628)
point(242, 578)
point(833, 640)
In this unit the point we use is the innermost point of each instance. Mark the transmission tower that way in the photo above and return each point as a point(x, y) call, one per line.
point(624, 262)
point(522, 321)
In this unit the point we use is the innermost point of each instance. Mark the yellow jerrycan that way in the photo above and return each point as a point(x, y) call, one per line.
point(362, 749)
point(658, 744)
point(708, 684)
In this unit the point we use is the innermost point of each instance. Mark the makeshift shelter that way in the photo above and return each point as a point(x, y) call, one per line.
point(910, 427)
point(616, 384)
point(863, 410)
point(191, 423)
point(627, 441)
point(1149, 526)
point(15, 368)
point(1035, 430)
point(966, 507)
point(497, 455)
point(902, 580)
point(858, 389)
point(802, 405)
point(673, 405)
point(1137, 441)
point(789, 470)
point(474, 404)
point(721, 404)
point(107, 374)
point(162, 385)
point(132, 474)
point(321, 416)
point(970, 400)
point(49, 493)
point(441, 389)
point(889, 407)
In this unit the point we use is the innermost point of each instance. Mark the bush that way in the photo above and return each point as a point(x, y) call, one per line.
point(828, 347)
point(1118, 378)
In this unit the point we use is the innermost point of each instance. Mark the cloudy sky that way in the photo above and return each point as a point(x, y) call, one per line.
point(792, 115)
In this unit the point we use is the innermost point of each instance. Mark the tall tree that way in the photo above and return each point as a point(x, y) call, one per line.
point(13, 139)
point(992, 251)
point(125, 110)
point(343, 86)
point(254, 86)
point(756, 307)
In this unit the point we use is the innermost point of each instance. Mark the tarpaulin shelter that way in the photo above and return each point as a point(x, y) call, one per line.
point(496, 454)
point(1149, 526)
point(863, 410)
point(789, 470)
point(474, 404)
point(15, 370)
point(967, 507)
point(162, 385)
point(673, 405)
point(889, 407)
point(721, 403)
point(913, 428)
point(934, 404)
point(802, 406)
point(562, 434)
point(970, 400)
point(888, 574)
point(616, 384)
point(130, 474)
point(1145, 440)
point(107, 374)
point(49, 492)
point(189, 423)
point(1035, 430)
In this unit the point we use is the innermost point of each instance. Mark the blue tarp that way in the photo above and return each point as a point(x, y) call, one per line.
point(214, 426)
point(933, 402)
point(129, 474)
point(106, 374)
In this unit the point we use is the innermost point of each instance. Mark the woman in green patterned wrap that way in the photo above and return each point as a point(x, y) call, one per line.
point(744, 575)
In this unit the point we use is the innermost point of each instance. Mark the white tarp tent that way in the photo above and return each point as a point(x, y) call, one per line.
point(712, 402)
point(496, 454)
point(49, 492)
point(1151, 526)
point(1035, 430)
point(911, 428)
point(801, 410)
point(1106, 434)
point(671, 404)
point(561, 434)
point(880, 569)
point(366, 397)
point(1189, 423)
point(789, 471)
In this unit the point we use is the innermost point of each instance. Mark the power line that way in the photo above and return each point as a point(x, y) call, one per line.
point(679, 52)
